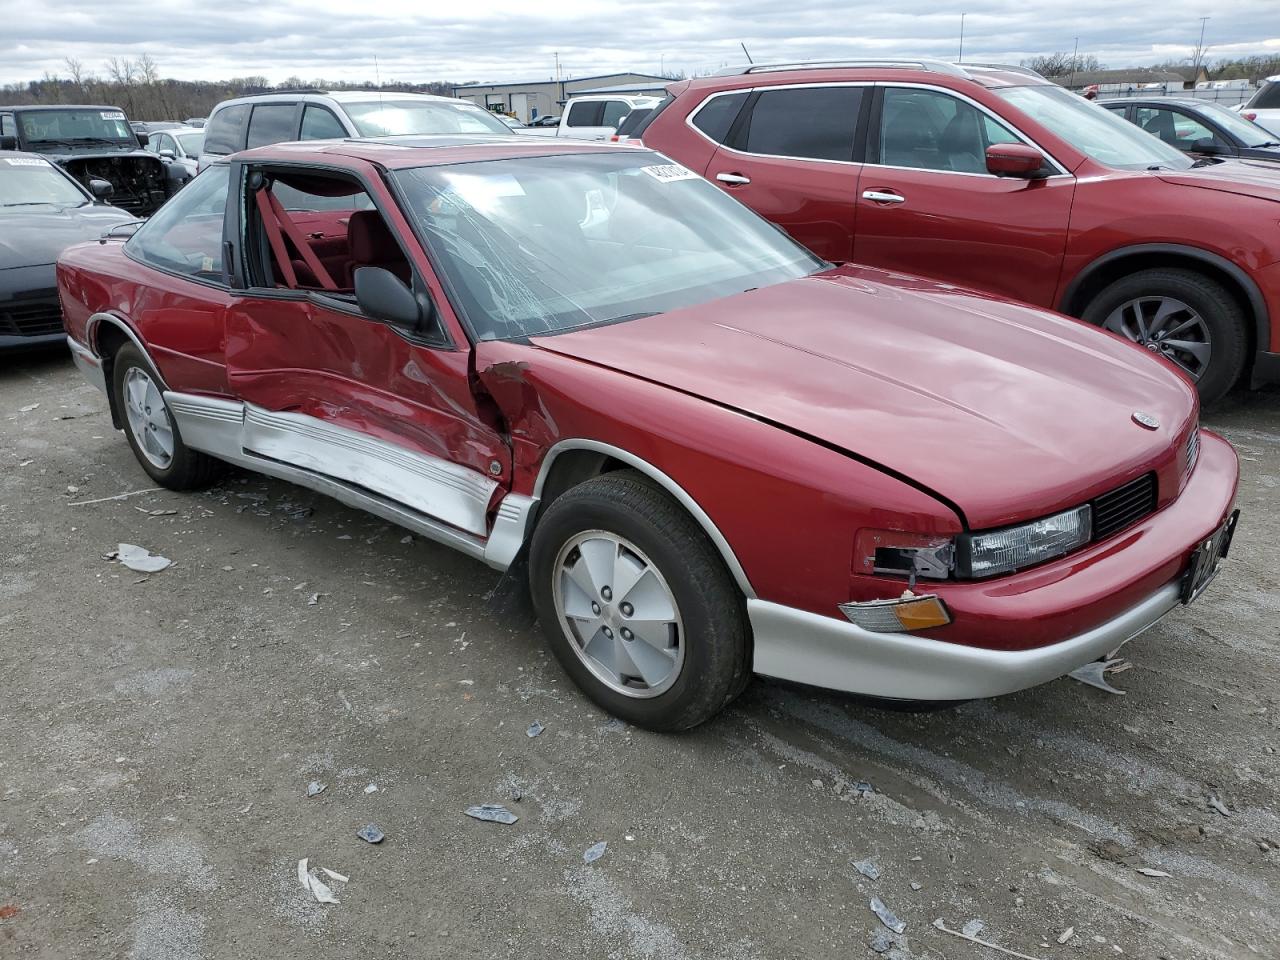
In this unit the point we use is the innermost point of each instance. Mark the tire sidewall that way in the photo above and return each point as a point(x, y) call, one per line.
point(127, 358)
point(702, 625)
point(1228, 339)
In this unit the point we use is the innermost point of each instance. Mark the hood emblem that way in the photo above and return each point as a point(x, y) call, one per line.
point(1145, 420)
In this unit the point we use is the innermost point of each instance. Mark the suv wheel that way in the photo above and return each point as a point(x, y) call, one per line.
point(150, 428)
point(1188, 319)
point(637, 605)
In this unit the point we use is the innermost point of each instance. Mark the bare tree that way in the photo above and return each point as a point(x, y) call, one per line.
point(1062, 64)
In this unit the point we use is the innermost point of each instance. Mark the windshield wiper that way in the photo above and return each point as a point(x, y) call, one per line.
point(32, 203)
point(1267, 143)
point(1207, 162)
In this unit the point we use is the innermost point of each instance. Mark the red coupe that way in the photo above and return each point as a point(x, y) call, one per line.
point(716, 454)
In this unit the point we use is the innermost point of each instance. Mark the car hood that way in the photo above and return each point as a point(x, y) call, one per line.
point(1248, 178)
point(1005, 411)
point(36, 235)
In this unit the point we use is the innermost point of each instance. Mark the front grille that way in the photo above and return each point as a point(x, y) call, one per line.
point(30, 319)
point(1192, 452)
point(1123, 506)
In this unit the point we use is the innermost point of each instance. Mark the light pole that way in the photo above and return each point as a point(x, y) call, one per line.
point(1199, 51)
point(1075, 58)
point(960, 59)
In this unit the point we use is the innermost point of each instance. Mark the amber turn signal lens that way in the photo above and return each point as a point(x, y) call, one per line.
point(922, 613)
point(908, 612)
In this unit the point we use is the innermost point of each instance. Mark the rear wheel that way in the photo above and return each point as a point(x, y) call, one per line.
point(150, 428)
point(1189, 319)
point(637, 605)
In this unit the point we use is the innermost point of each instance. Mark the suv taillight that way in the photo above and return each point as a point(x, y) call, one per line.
point(1249, 115)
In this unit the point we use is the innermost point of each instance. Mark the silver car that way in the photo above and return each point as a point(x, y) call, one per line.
point(179, 148)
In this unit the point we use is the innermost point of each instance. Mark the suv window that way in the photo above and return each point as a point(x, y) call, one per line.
point(1267, 97)
point(271, 123)
point(930, 130)
point(717, 115)
point(817, 123)
point(586, 114)
point(185, 236)
point(7, 127)
point(225, 131)
point(614, 111)
point(320, 124)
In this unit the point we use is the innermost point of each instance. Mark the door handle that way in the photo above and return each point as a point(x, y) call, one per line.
point(734, 178)
point(883, 196)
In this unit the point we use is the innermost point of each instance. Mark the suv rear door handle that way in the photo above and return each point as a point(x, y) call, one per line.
point(883, 196)
point(734, 178)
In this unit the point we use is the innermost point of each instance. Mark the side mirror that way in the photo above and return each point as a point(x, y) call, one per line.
point(102, 189)
point(8, 142)
point(143, 138)
point(384, 296)
point(167, 154)
point(1016, 160)
point(1208, 146)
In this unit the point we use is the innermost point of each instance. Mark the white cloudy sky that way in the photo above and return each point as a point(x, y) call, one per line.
point(466, 40)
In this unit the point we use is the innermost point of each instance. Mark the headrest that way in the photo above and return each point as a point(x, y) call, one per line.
point(370, 239)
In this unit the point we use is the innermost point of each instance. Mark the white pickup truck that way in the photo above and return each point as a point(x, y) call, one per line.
point(1264, 108)
point(593, 117)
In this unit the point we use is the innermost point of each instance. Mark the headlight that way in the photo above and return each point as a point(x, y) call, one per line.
point(1004, 551)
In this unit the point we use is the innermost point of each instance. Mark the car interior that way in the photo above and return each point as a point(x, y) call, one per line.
point(934, 132)
point(315, 231)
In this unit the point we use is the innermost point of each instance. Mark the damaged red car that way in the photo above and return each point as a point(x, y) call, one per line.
point(711, 453)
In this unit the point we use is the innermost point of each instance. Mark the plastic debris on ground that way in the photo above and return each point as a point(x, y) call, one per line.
point(371, 788)
point(973, 928)
point(867, 869)
point(1066, 934)
point(887, 916)
point(139, 559)
point(535, 728)
point(940, 924)
point(315, 788)
point(371, 834)
point(317, 887)
point(1149, 872)
point(595, 851)
point(1094, 674)
point(492, 813)
point(880, 941)
point(1218, 805)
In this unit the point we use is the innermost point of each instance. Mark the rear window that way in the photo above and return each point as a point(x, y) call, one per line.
point(717, 115)
point(271, 123)
point(1267, 97)
point(587, 113)
point(224, 132)
point(614, 111)
point(632, 121)
point(817, 123)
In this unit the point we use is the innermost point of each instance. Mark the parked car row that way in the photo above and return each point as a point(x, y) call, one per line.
point(993, 178)
point(708, 449)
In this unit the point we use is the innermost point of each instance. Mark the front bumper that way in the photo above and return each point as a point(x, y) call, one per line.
point(89, 364)
point(793, 644)
point(1026, 629)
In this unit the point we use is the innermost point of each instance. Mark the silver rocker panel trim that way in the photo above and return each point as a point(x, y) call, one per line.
point(221, 429)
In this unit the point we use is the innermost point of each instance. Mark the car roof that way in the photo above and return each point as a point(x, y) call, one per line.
point(62, 106)
point(915, 70)
point(336, 96)
point(1179, 101)
point(399, 153)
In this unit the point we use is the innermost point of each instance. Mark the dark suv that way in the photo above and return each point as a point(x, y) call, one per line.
point(90, 143)
point(994, 178)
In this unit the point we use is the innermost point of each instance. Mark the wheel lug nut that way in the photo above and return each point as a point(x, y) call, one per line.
point(595, 608)
point(606, 593)
point(627, 609)
point(608, 633)
point(626, 634)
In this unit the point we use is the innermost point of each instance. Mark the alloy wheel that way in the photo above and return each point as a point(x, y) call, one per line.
point(1168, 327)
point(618, 613)
point(148, 418)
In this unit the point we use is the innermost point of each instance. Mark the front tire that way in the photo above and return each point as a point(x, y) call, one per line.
point(637, 604)
point(1189, 319)
point(150, 428)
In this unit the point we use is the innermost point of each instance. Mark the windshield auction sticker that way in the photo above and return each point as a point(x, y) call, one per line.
point(24, 162)
point(669, 172)
point(112, 115)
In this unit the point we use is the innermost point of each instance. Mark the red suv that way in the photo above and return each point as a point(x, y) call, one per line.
point(992, 177)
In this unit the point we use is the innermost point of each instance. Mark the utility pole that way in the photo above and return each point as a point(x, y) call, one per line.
point(1199, 50)
point(960, 59)
point(1075, 59)
point(557, 55)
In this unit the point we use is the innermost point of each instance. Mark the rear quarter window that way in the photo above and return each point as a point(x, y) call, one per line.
point(224, 133)
point(586, 114)
point(1267, 97)
point(717, 115)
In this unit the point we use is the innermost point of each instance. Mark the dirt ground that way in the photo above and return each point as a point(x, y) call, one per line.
point(158, 735)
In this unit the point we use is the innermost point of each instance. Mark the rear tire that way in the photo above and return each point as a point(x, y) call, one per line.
point(1189, 319)
point(150, 428)
point(671, 586)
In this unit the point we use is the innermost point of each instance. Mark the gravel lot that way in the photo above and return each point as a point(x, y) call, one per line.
point(158, 735)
